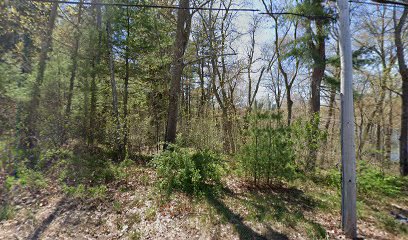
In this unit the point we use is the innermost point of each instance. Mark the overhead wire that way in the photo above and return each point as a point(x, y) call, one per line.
point(149, 6)
point(396, 4)
point(254, 10)
point(332, 17)
point(385, 3)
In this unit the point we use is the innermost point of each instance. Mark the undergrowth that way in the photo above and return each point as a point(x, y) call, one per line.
point(371, 181)
point(188, 170)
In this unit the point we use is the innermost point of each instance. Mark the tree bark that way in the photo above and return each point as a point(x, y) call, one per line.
point(332, 99)
point(95, 64)
point(126, 89)
point(319, 60)
point(180, 45)
point(403, 69)
point(388, 136)
point(115, 108)
point(288, 82)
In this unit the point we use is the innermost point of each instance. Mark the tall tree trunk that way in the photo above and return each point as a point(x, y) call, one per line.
point(319, 61)
point(371, 119)
point(115, 108)
point(403, 69)
point(388, 136)
point(201, 109)
point(26, 68)
point(379, 142)
point(74, 59)
point(86, 109)
point(126, 89)
point(46, 42)
point(288, 83)
point(180, 45)
point(289, 103)
point(332, 99)
point(226, 131)
point(95, 64)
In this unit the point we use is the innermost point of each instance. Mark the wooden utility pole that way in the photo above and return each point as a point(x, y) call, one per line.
point(348, 154)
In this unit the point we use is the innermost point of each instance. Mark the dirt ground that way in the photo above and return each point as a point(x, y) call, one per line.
point(131, 210)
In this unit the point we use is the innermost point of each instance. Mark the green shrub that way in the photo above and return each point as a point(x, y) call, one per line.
point(330, 178)
point(88, 170)
point(7, 212)
point(10, 182)
point(82, 191)
point(120, 170)
point(269, 150)
point(371, 181)
point(187, 170)
point(30, 178)
point(50, 156)
point(307, 141)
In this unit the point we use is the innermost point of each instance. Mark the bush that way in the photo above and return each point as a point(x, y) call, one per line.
point(307, 141)
point(269, 150)
point(32, 179)
point(7, 212)
point(187, 170)
point(82, 191)
point(370, 181)
point(88, 170)
point(49, 157)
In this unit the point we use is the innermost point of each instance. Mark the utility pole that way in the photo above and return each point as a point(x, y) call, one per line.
point(348, 154)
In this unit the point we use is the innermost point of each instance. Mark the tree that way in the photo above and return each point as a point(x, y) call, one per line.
point(403, 70)
point(32, 117)
point(126, 86)
point(253, 90)
point(281, 44)
point(74, 67)
point(95, 61)
point(224, 70)
point(115, 104)
point(180, 45)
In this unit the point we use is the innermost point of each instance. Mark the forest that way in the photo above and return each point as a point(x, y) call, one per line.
point(203, 119)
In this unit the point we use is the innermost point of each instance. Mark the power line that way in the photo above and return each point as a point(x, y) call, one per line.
point(300, 15)
point(177, 7)
point(405, 4)
point(150, 6)
point(383, 3)
point(374, 2)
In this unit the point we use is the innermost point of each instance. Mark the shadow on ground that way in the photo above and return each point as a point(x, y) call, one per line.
point(243, 230)
point(59, 209)
point(266, 205)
